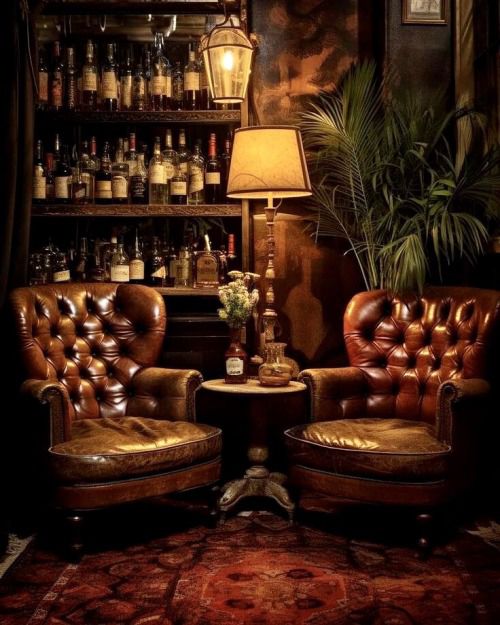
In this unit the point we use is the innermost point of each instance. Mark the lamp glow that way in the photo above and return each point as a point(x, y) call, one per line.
point(228, 60)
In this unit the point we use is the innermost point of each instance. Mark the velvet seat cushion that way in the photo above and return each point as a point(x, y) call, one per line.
point(393, 449)
point(107, 449)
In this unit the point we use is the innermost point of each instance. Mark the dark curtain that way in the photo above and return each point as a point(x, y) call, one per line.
point(16, 140)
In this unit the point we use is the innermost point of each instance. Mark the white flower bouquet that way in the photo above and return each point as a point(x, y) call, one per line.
point(238, 298)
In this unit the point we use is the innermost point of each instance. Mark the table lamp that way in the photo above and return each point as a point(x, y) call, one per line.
point(268, 162)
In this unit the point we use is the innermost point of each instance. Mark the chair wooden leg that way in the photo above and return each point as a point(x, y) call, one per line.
point(424, 525)
point(213, 506)
point(74, 524)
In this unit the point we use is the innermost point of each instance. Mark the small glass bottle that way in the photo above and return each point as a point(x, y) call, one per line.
point(139, 191)
point(136, 262)
point(89, 79)
point(39, 192)
point(275, 371)
point(236, 360)
point(120, 265)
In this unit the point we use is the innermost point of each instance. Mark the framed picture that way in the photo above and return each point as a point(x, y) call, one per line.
point(424, 12)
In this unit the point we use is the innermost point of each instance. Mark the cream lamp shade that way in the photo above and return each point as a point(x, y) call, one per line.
point(227, 54)
point(268, 162)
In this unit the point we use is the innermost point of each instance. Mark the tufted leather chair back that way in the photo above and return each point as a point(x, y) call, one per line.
point(406, 347)
point(93, 338)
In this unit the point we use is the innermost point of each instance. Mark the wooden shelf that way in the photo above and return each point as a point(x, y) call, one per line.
point(131, 117)
point(186, 291)
point(135, 210)
point(169, 7)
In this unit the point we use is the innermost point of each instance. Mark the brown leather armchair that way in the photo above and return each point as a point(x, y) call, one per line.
point(117, 428)
point(401, 424)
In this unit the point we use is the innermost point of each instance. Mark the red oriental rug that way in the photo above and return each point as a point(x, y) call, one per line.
point(256, 570)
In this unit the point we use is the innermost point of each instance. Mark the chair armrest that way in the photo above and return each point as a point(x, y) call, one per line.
point(338, 393)
point(456, 398)
point(55, 395)
point(160, 393)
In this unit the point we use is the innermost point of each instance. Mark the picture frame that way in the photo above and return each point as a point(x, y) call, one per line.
point(424, 12)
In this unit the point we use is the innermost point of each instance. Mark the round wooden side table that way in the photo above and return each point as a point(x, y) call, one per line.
point(257, 481)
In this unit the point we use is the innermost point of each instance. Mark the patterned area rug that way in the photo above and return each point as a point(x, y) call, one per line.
point(256, 570)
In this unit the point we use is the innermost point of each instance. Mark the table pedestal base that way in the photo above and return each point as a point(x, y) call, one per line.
point(257, 482)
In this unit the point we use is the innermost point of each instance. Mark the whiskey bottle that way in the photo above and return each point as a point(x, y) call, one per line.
point(225, 163)
point(79, 193)
point(183, 153)
point(126, 83)
point(196, 168)
point(87, 170)
point(169, 158)
point(103, 179)
point(49, 181)
point(177, 87)
point(62, 178)
point(131, 154)
point(89, 79)
point(120, 265)
point(60, 271)
point(178, 187)
point(148, 92)
point(205, 98)
point(81, 263)
point(157, 273)
point(157, 181)
point(139, 182)
point(158, 77)
point(56, 78)
point(138, 88)
point(213, 173)
point(119, 176)
point(191, 82)
point(70, 87)
point(136, 262)
point(39, 192)
point(183, 273)
point(206, 267)
point(109, 87)
point(43, 81)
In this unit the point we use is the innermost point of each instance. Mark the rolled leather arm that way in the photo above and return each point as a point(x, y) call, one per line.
point(54, 394)
point(160, 393)
point(338, 393)
point(459, 397)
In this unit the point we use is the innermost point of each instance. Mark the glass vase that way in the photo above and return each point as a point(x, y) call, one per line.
point(236, 360)
point(275, 371)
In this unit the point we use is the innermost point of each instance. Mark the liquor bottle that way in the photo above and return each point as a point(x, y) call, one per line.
point(138, 88)
point(120, 265)
point(119, 176)
point(50, 190)
point(177, 87)
point(213, 173)
point(108, 255)
point(236, 360)
point(183, 152)
point(136, 262)
point(39, 192)
point(89, 79)
point(131, 154)
point(196, 168)
point(157, 181)
point(191, 82)
point(147, 80)
point(70, 87)
point(56, 78)
point(126, 83)
point(156, 273)
point(57, 150)
point(206, 267)
point(62, 178)
point(232, 258)
point(139, 182)
point(109, 87)
point(43, 81)
point(60, 271)
point(206, 102)
point(87, 172)
point(158, 77)
point(93, 153)
point(178, 187)
point(79, 192)
point(169, 158)
point(171, 263)
point(183, 266)
point(81, 262)
point(225, 163)
point(103, 178)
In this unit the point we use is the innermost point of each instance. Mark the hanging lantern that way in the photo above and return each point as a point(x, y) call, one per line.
point(227, 53)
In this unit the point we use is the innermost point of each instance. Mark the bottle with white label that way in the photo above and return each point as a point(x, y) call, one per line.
point(103, 179)
point(236, 360)
point(119, 176)
point(192, 83)
point(120, 265)
point(136, 262)
point(196, 184)
point(61, 270)
point(169, 157)
point(157, 180)
point(109, 81)
point(89, 79)
point(213, 173)
point(39, 192)
point(63, 178)
point(126, 82)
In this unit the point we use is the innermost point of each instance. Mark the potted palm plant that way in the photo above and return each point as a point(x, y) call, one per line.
point(389, 182)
